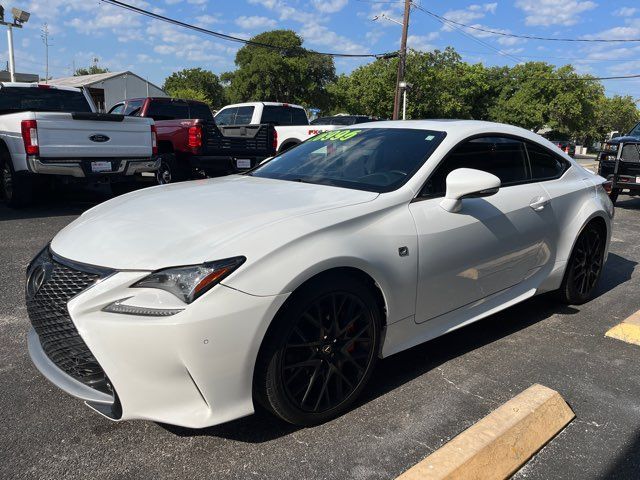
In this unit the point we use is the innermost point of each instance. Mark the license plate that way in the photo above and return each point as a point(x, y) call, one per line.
point(243, 163)
point(637, 179)
point(97, 167)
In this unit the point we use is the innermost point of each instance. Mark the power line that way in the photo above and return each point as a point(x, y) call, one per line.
point(527, 37)
point(231, 38)
point(472, 37)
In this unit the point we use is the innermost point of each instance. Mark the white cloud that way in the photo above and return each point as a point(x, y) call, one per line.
point(329, 6)
point(625, 12)
point(554, 12)
point(420, 42)
point(321, 35)
point(471, 13)
point(253, 22)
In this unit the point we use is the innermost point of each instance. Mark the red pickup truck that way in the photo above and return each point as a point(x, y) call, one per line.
point(191, 145)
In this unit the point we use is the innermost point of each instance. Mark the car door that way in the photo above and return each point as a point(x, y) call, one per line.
point(492, 243)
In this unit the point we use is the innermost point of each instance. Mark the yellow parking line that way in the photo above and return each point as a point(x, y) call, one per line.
point(499, 444)
point(627, 331)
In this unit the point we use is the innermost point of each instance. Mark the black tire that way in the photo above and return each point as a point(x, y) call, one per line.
point(170, 170)
point(287, 146)
point(16, 188)
point(584, 267)
point(613, 195)
point(320, 352)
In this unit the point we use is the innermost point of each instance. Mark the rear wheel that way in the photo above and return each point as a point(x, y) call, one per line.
point(16, 187)
point(170, 171)
point(584, 267)
point(321, 353)
point(613, 195)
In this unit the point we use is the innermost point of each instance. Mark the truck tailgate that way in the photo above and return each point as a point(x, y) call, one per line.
point(89, 135)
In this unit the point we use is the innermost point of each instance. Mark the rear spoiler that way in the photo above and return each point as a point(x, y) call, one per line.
point(98, 117)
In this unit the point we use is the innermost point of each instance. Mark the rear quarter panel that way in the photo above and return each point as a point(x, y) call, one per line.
point(575, 203)
point(11, 135)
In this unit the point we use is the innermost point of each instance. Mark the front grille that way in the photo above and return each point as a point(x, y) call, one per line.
point(47, 309)
point(630, 152)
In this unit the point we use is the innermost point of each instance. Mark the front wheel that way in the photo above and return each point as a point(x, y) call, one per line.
point(321, 353)
point(584, 267)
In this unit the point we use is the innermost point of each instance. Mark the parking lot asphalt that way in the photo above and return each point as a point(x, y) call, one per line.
point(416, 402)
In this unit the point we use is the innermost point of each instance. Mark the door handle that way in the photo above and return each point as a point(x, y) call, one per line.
point(538, 203)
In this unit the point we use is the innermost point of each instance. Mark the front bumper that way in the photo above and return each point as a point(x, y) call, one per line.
point(193, 369)
point(81, 168)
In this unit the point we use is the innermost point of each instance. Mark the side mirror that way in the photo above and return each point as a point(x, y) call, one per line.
point(468, 183)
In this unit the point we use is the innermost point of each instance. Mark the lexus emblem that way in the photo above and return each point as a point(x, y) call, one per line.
point(39, 275)
point(98, 137)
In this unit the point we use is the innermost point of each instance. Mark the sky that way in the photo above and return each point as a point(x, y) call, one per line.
point(81, 30)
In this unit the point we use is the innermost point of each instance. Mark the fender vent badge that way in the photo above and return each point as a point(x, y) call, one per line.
point(403, 251)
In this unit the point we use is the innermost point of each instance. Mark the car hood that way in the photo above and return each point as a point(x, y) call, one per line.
point(191, 222)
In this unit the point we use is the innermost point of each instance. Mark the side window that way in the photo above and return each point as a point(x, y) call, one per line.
point(544, 164)
point(226, 116)
point(299, 117)
point(244, 115)
point(133, 108)
point(503, 157)
point(117, 109)
point(200, 111)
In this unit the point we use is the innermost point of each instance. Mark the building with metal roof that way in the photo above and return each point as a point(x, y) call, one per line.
point(109, 88)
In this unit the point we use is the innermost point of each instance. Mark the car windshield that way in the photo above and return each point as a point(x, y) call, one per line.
point(372, 159)
point(635, 132)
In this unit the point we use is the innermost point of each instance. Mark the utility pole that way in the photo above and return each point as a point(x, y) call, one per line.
point(403, 58)
point(45, 39)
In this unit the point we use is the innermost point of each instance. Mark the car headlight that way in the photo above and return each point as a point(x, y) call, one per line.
point(612, 147)
point(190, 282)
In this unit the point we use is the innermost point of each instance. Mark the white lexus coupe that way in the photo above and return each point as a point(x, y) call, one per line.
point(190, 303)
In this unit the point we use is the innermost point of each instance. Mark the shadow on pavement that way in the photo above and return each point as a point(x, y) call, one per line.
point(401, 368)
point(628, 203)
point(66, 200)
point(627, 464)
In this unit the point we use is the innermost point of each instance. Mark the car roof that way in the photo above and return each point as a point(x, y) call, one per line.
point(270, 104)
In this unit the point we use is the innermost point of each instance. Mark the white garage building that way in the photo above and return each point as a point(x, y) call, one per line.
point(109, 88)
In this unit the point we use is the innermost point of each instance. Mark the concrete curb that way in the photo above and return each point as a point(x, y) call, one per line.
point(499, 444)
point(627, 331)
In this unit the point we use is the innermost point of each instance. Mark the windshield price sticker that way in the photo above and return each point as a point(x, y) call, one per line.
point(339, 135)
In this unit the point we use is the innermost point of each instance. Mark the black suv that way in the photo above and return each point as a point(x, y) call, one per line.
point(619, 162)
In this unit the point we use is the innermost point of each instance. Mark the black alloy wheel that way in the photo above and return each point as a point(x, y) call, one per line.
point(323, 353)
point(585, 266)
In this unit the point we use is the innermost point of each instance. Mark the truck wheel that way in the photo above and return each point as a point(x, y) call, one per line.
point(169, 170)
point(16, 188)
point(614, 195)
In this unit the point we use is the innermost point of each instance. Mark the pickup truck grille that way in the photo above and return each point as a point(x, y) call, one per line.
point(631, 152)
point(47, 309)
point(215, 140)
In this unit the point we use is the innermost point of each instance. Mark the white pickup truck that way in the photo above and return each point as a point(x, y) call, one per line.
point(49, 132)
point(290, 121)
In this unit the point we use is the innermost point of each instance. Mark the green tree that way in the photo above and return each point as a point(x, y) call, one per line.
point(617, 113)
point(188, 93)
point(92, 70)
point(288, 74)
point(205, 83)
